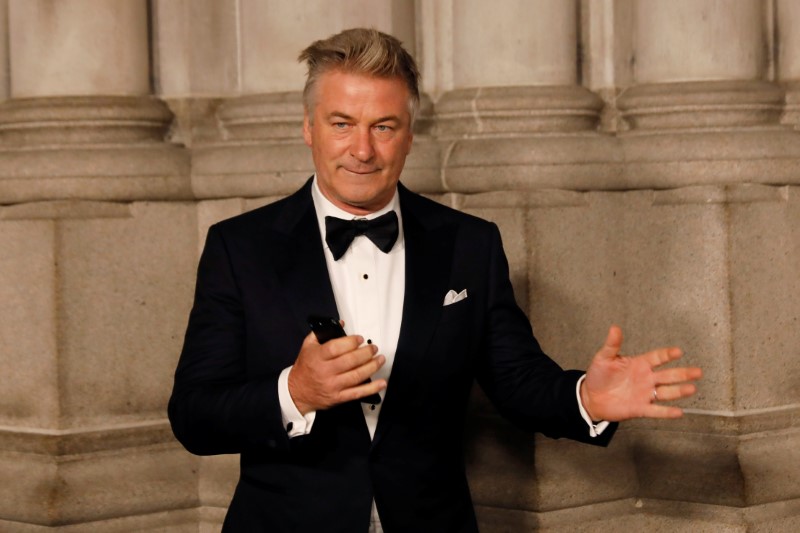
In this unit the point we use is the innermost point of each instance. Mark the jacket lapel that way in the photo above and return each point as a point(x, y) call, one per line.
point(429, 257)
point(302, 269)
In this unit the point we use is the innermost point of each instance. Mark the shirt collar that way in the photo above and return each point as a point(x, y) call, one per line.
point(326, 208)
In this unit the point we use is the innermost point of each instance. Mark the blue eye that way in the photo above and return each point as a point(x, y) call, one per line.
point(383, 128)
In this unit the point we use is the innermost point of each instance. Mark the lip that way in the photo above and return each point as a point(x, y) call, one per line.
point(361, 172)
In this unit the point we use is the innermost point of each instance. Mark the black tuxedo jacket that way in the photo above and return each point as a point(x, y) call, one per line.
point(261, 274)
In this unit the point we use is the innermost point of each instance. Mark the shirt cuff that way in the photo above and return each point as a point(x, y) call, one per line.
point(294, 421)
point(595, 428)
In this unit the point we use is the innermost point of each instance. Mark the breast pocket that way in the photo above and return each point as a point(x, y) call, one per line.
point(458, 311)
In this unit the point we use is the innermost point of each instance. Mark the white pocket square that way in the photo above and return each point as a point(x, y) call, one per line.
point(452, 297)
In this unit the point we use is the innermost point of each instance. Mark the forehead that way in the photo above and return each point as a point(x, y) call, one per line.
point(337, 88)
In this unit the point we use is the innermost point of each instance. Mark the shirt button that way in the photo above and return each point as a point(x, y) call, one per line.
point(366, 276)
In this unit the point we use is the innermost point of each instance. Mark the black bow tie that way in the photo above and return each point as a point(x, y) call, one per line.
point(382, 231)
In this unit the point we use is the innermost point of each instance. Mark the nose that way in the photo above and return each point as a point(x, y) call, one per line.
point(361, 147)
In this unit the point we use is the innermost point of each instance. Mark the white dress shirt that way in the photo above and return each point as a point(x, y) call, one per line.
point(368, 286)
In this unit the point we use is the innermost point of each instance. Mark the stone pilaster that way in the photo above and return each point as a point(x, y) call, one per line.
point(702, 122)
point(91, 335)
point(92, 444)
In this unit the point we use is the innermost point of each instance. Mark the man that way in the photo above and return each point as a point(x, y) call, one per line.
point(428, 307)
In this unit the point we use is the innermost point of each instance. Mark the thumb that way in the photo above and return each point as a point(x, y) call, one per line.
point(613, 343)
point(310, 339)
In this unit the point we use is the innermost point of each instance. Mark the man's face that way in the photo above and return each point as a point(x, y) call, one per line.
point(360, 136)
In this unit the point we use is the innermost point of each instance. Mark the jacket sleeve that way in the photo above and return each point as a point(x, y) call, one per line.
point(526, 386)
point(214, 407)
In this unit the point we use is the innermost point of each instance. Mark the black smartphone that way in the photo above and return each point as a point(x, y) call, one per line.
point(327, 328)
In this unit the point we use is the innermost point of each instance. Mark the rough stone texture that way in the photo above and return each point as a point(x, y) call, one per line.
point(765, 252)
point(218, 476)
point(146, 480)
point(28, 335)
point(112, 272)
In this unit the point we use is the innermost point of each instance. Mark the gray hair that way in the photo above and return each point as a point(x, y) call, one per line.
point(361, 51)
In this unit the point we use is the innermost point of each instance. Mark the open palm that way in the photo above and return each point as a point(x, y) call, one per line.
point(621, 387)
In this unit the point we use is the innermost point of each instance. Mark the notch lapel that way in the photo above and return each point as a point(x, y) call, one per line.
point(301, 265)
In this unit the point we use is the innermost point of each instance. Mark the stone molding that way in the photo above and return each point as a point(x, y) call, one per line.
point(151, 171)
point(582, 161)
point(65, 209)
point(644, 514)
point(61, 442)
point(262, 117)
point(92, 148)
point(791, 114)
point(517, 110)
point(109, 485)
point(82, 120)
point(701, 105)
point(717, 469)
point(663, 160)
point(470, 141)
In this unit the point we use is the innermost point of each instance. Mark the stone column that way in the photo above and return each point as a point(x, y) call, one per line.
point(4, 82)
point(694, 75)
point(89, 334)
point(515, 124)
point(514, 75)
point(79, 91)
point(787, 15)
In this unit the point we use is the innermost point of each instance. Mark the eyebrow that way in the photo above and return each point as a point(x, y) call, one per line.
point(345, 116)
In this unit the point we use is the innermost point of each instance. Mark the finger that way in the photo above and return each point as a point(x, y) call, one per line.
point(662, 356)
point(354, 359)
point(677, 375)
point(360, 374)
point(662, 411)
point(612, 344)
point(668, 393)
point(310, 340)
point(362, 391)
point(336, 347)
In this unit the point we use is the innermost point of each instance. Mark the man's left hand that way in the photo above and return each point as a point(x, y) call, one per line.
point(618, 387)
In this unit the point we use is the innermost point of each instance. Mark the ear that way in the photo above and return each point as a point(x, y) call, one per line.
point(307, 127)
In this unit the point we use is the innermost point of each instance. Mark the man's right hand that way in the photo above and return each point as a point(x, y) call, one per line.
point(328, 374)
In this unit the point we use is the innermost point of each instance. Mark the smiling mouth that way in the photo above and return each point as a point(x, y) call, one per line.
point(361, 172)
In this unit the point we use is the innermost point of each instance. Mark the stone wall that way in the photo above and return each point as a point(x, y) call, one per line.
point(641, 157)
